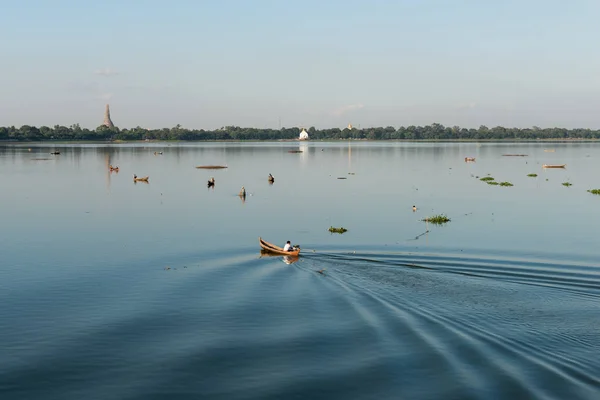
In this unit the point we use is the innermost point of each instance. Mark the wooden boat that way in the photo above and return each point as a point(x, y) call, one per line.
point(113, 169)
point(554, 165)
point(271, 248)
point(469, 159)
point(549, 150)
point(294, 151)
point(55, 152)
point(136, 179)
point(211, 166)
point(514, 155)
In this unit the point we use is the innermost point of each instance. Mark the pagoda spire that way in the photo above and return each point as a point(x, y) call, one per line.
point(107, 121)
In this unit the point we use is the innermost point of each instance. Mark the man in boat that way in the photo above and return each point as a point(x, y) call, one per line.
point(288, 246)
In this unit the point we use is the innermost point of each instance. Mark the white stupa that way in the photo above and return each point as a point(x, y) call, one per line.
point(303, 135)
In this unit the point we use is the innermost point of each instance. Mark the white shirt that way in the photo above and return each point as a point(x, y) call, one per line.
point(287, 247)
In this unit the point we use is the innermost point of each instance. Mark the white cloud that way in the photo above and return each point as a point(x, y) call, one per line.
point(105, 96)
point(346, 109)
point(106, 72)
point(466, 106)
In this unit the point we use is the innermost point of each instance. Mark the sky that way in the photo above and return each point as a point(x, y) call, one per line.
point(205, 64)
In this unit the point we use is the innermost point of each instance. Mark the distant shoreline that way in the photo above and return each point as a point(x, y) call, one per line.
point(512, 140)
point(429, 133)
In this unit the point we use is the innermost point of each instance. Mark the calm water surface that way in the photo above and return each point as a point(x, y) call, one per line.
point(118, 290)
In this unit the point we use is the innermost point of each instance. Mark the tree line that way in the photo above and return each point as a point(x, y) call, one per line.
point(429, 132)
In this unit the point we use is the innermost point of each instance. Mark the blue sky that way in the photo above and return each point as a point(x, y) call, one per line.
point(206, 64)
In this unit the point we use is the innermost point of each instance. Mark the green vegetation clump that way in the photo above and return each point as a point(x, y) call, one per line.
point(337, 230)
point(437, 219)
point(506, 184)
point(532, 175)
point(486, 179)
point(567, 184)
point(492, 183)
point(594, 191)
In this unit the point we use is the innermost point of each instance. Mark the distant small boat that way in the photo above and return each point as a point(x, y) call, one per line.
point(113, 169)
point(211, 166)
point(554, 165)
point(469, 159)
point(271, 248)
point(271, 178)
point(294, 151)
point(55, 152)
point(136, 179)
point(514, 155)
point(549, 150)
point(211, 182)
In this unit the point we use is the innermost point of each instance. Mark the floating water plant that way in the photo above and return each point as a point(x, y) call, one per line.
point(506, 184)
point(437, 219)
point(337, 230)
point(567, 184)
point(486, 178)
point(492, 182)
point(594, 191)
point(532, 175)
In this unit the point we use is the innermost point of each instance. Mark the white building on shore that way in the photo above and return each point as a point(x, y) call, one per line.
point(303, 135)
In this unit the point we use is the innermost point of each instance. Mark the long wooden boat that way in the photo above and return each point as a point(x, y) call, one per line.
point(211, 166)
point(554, 165)
point(467, 159)
point(271, 248)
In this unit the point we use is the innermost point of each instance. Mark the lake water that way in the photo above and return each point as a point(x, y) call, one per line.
point(112, 289)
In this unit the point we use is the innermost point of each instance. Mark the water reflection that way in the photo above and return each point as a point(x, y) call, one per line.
point(286, 259)
point(290, 259)
point(303, 148)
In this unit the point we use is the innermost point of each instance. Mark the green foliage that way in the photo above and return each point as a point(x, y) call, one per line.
point(486, 179)
point(437, 219)
point(506, 184)
point(492, 183)
point(532, 175)
point(337, 230)
point(594, 191)
point(430, 132)
point(567, 184)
